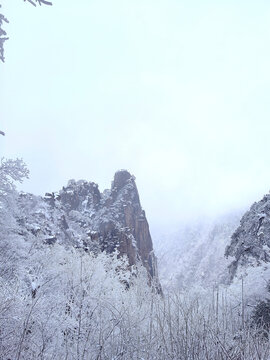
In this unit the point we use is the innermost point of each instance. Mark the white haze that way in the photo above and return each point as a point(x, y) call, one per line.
point(177, 92)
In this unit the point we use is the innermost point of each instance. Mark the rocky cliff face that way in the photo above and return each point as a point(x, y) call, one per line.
point(250, 249)
point(80, 216)
point(250, 243)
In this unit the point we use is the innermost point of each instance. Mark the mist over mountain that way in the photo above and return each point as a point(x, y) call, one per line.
point(194, 255)
point(79, 277)
point(175, 263)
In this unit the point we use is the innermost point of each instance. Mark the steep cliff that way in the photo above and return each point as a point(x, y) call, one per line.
point(250, 250)
point(250, 243)
point(80, 216)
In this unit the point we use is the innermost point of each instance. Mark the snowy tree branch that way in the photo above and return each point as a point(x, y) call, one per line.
point(3, 20)
point(40, 2)
point(3, 37)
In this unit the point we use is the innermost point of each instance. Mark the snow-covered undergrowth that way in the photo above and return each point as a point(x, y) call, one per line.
point(71, 305)
point(60, 302)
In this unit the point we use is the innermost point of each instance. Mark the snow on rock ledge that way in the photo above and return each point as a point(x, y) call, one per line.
point(81, 216)
point(250, 244)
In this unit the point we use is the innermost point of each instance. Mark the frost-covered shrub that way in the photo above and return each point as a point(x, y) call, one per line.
point(261, 315)
point(60, 302)
point(11, 246)
point(72, 305)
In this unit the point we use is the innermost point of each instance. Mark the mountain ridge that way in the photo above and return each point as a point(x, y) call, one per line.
point(81, 216)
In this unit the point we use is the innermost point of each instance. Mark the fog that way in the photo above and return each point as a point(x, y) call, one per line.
point(175, 91)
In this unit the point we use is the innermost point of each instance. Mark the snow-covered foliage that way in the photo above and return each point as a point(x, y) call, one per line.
point(64, 303)
point(249, 256)
point(67, 304)
point(250, 244)
point(10, 246)
point(10, 171)
point(59, 301)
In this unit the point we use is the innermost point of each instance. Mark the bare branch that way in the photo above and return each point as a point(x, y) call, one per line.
point(3, 37)
point(45, 2)
point(31, 2)
point(40, 2)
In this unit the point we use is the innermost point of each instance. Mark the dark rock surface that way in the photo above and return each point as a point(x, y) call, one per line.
point(80, 216)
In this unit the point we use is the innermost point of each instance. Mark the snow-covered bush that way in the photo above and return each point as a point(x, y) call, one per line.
point(61, 302)
point(11, 171)
point(69, 304)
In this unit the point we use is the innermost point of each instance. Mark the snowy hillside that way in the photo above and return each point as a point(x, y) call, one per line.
point(78, 280)
point(195, 254)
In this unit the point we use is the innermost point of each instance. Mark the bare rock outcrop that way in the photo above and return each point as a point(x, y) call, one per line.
point(81, 216)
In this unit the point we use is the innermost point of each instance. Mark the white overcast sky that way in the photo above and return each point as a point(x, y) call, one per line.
point(175, 91)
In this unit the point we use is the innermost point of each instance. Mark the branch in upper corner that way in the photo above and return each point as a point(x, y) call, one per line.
point(3, 34)
point(3, 37)
point(40, 2)
point(44, 2)
point(31, 2)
